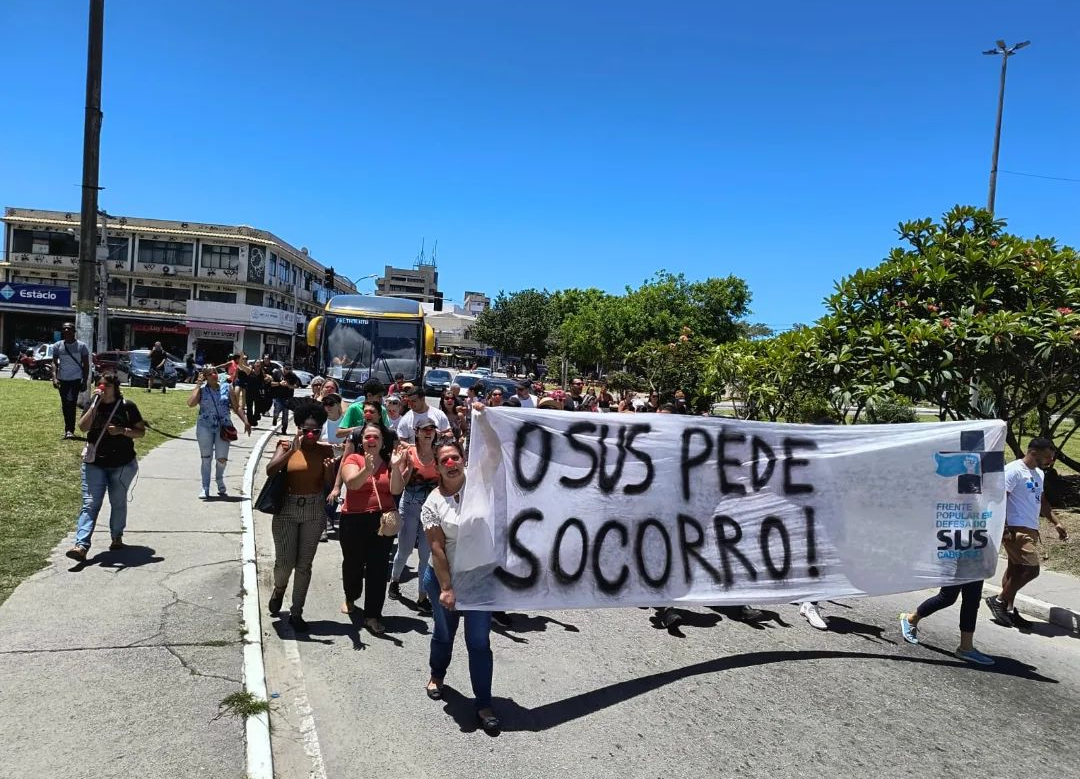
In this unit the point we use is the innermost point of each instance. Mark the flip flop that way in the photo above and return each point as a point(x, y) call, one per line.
point(435, 693)
point(489, 724)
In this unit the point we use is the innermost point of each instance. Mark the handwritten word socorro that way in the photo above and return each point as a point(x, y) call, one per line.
point(599, 510)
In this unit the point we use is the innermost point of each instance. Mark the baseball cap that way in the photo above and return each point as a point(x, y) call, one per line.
point(395, 398)
point(427, 422)
point(331, 396)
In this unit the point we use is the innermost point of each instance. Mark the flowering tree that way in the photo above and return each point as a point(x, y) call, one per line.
point(977, 321)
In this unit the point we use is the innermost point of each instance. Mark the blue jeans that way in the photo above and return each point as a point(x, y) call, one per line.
point(211, 446)
point(477, 641)
point(96, 482)
point(411, 534)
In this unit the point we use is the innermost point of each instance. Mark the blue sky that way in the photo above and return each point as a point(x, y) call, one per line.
point(556, 143)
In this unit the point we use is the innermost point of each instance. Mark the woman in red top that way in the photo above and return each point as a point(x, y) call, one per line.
point(420, 475)
point(372, 478)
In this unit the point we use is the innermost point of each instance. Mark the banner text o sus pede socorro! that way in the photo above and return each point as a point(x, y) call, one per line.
point(588, 510)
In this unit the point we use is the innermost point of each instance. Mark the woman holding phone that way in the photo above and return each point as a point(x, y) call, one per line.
point(216, 404)
point(111, 425)
point(309, 468)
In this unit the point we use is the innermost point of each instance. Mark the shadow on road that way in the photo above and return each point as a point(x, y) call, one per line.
point(516, 717)
point(848, 627)
point(128, 557)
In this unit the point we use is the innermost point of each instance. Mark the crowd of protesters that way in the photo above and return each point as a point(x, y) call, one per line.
point(385, 475)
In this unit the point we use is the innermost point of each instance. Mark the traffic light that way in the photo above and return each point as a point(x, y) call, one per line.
point(328, 281)
point(438, 301)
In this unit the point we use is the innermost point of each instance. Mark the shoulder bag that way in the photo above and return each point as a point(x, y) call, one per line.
point(226, 431)
point(389, 520)
point(89, 452)
point(273, 493)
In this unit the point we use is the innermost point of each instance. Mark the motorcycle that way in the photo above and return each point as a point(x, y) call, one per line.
point(41, 371)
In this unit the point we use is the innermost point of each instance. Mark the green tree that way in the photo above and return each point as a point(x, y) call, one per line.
point(965, 316)
point(517, 323)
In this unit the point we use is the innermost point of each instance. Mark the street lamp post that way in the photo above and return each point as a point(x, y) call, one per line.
point(1005, 52)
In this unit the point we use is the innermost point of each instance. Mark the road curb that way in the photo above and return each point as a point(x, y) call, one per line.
point(1063, 617)
point(260, 761)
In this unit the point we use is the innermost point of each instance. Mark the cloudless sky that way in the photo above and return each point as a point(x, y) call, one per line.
point(555, 143)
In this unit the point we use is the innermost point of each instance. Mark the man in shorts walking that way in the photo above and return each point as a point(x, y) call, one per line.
point(1024, 504)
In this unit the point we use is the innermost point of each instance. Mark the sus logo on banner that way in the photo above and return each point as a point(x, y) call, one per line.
point(594, 510)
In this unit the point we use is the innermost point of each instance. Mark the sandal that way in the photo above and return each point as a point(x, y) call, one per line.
point(348, 607)
point(435, 693)
point(489, 723)
point(375, 626)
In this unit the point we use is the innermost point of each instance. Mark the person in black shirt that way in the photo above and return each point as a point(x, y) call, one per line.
point(157, 367)
point(284, 383)
point(111, 425)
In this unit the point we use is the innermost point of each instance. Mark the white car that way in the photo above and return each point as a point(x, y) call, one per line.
point(466, 380)
point(4, 361)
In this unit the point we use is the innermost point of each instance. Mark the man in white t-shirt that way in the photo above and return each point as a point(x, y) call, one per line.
point(1024, 504)
point(524, 394)
point(419, 410)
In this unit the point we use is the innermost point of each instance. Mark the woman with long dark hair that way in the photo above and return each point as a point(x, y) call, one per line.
point(420, 475)
point(441, 517)
point(372, 478)
point(111, 424)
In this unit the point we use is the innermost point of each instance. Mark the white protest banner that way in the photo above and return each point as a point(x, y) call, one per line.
point(584, 510)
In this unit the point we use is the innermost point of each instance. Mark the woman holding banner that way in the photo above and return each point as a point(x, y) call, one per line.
point(441, 520)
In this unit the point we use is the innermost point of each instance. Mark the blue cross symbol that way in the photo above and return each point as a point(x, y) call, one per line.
point(970, 463)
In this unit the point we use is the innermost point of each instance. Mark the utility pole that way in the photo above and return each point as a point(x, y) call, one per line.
point(84, 306)
point(1005, 52)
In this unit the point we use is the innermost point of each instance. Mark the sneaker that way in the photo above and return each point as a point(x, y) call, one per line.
point(997, 608)
point(500, 618)
point(908, 631)
point(204, 494)
point(221, 491)
point(1020, 622)
point(393, 592)
point(974, 656)
point(810, 612)
point(117, 543)
point(324, 538)
point(274, 606)
point(298, 623)
point(76, 553)
point(741, 613)
point(68, 435)
point(423, 605)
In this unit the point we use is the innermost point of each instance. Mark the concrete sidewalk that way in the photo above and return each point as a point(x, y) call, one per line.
point(1053, 597)
point(116, 667)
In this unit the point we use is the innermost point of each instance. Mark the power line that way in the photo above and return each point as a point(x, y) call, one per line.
point(1038, 176)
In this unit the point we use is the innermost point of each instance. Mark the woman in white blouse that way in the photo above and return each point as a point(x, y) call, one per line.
point(441, 519)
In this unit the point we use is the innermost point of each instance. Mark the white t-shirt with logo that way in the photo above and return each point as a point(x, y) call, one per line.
point(1024, 489)
point(406, 428)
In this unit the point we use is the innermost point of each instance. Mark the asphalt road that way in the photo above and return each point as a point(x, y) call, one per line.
point(606, 694)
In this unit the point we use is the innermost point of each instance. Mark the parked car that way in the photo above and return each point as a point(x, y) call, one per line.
point(466, 380)
point(133, 369)
point(482, 371)
point(103, 362)
point(4, 361)
point(508, 386)
point(436, 381)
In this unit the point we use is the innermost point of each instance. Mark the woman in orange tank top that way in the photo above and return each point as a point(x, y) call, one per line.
point(420, 476)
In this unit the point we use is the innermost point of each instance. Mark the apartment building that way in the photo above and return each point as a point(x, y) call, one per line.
point(202, 288)
point(420, 283)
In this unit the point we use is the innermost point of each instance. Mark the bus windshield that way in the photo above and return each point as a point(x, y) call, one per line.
point(358, 348)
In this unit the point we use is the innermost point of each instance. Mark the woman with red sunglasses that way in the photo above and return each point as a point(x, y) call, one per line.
point(441, 517)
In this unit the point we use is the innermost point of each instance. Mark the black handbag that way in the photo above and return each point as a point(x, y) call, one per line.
point(273, 493)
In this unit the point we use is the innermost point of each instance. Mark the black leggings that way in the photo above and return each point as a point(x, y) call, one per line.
point(365, 561)
point(970, 595)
